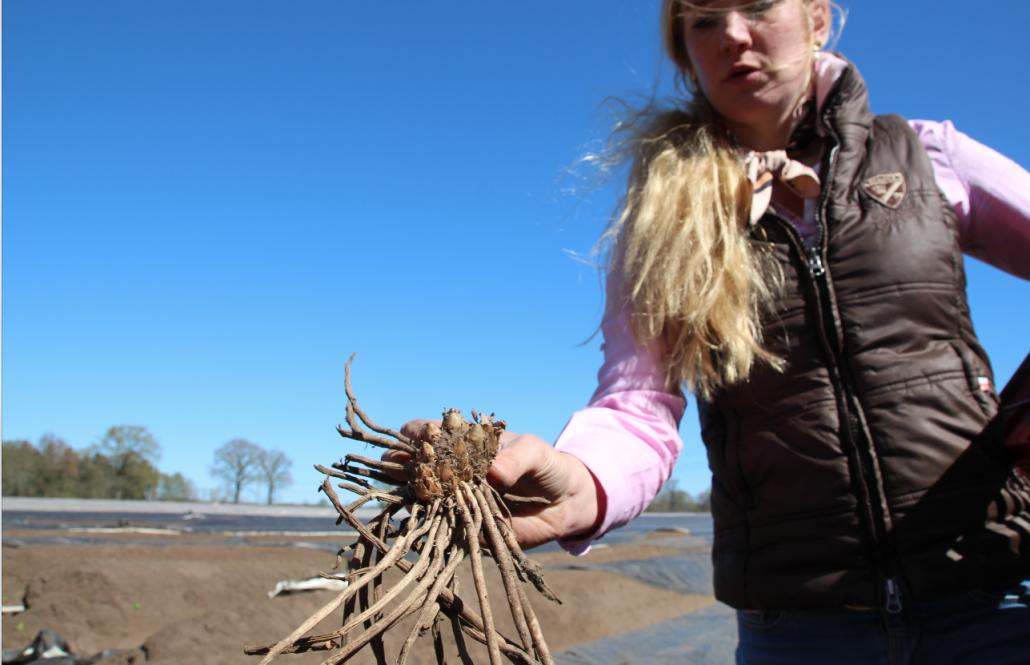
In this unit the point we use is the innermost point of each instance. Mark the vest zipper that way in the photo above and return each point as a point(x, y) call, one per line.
point(851, 428)
point(815, 262)
point(850, 425)
point(893, 596)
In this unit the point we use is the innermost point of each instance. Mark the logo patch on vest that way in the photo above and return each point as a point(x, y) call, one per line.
point(887, 188)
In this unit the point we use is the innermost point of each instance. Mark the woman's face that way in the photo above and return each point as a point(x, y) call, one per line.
point(752, 59)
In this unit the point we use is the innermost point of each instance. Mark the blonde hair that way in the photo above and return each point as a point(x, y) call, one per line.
point(691, 279)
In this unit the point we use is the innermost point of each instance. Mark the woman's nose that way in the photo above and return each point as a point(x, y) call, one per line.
point(736, 31)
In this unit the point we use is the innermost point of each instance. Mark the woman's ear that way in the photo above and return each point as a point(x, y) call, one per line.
point(822, 21)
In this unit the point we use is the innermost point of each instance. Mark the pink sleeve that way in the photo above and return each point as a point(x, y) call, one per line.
point(990, 193)
point(628, 436)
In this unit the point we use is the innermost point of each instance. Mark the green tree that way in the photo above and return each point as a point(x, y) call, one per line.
point(136, 478)
point(236, 462)
point(274, 470)
point(121, 441)
point(176, 487)
point(21, 465)
point(59, 467)
point(96, 476)
point(132, 452)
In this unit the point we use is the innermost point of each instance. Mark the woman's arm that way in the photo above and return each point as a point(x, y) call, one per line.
point(610, 460)
point(628, 435)
point(613, 455)
point(990, 193)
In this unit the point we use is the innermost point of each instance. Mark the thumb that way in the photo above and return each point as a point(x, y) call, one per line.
point(517, 456)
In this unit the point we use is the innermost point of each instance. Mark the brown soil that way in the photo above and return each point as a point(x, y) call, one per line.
point(179, 537)
point(607, 555)
point(662, 534)
point(202, 603)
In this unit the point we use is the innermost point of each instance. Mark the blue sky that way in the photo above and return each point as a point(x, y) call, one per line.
point(207, 206)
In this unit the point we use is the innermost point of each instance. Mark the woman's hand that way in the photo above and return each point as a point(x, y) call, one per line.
point(528, 466)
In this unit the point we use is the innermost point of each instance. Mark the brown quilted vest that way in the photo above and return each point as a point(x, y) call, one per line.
point(859, 476)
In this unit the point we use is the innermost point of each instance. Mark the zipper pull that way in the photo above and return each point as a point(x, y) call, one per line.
point(893, 596)
point(815, 262)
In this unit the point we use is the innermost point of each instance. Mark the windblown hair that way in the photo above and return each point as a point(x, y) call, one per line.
point(691, 280)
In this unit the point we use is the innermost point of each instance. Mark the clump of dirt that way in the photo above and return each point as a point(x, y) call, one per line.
point(454, 451)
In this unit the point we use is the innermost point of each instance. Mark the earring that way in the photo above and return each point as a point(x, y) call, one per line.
point(817, 46)
point(693, 79)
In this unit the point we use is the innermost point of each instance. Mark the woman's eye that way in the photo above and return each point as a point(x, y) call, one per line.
point(703, 22)
point(759, 7)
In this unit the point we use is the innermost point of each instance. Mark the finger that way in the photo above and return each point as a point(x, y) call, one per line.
point(518, 456)
point(526, 533)
point(507, 438)
point(534, 530)
point(398, 457)
point(413, 428)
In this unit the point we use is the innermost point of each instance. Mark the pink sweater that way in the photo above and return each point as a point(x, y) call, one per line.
point(628, 435)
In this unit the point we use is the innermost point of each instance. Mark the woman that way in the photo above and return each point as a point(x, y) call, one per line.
point(795, 262)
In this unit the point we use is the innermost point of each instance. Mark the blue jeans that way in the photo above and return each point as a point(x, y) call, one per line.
point(976, 628)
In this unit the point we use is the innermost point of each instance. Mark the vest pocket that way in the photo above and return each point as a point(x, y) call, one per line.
point(979, 381)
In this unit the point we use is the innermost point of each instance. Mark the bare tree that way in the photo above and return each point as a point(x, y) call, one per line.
point(236, 463)
point(274, 467)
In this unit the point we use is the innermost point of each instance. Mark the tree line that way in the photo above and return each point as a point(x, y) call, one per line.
point(123, 465)
point(674, 500)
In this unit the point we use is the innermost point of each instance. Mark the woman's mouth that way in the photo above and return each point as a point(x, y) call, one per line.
point(743, 73)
